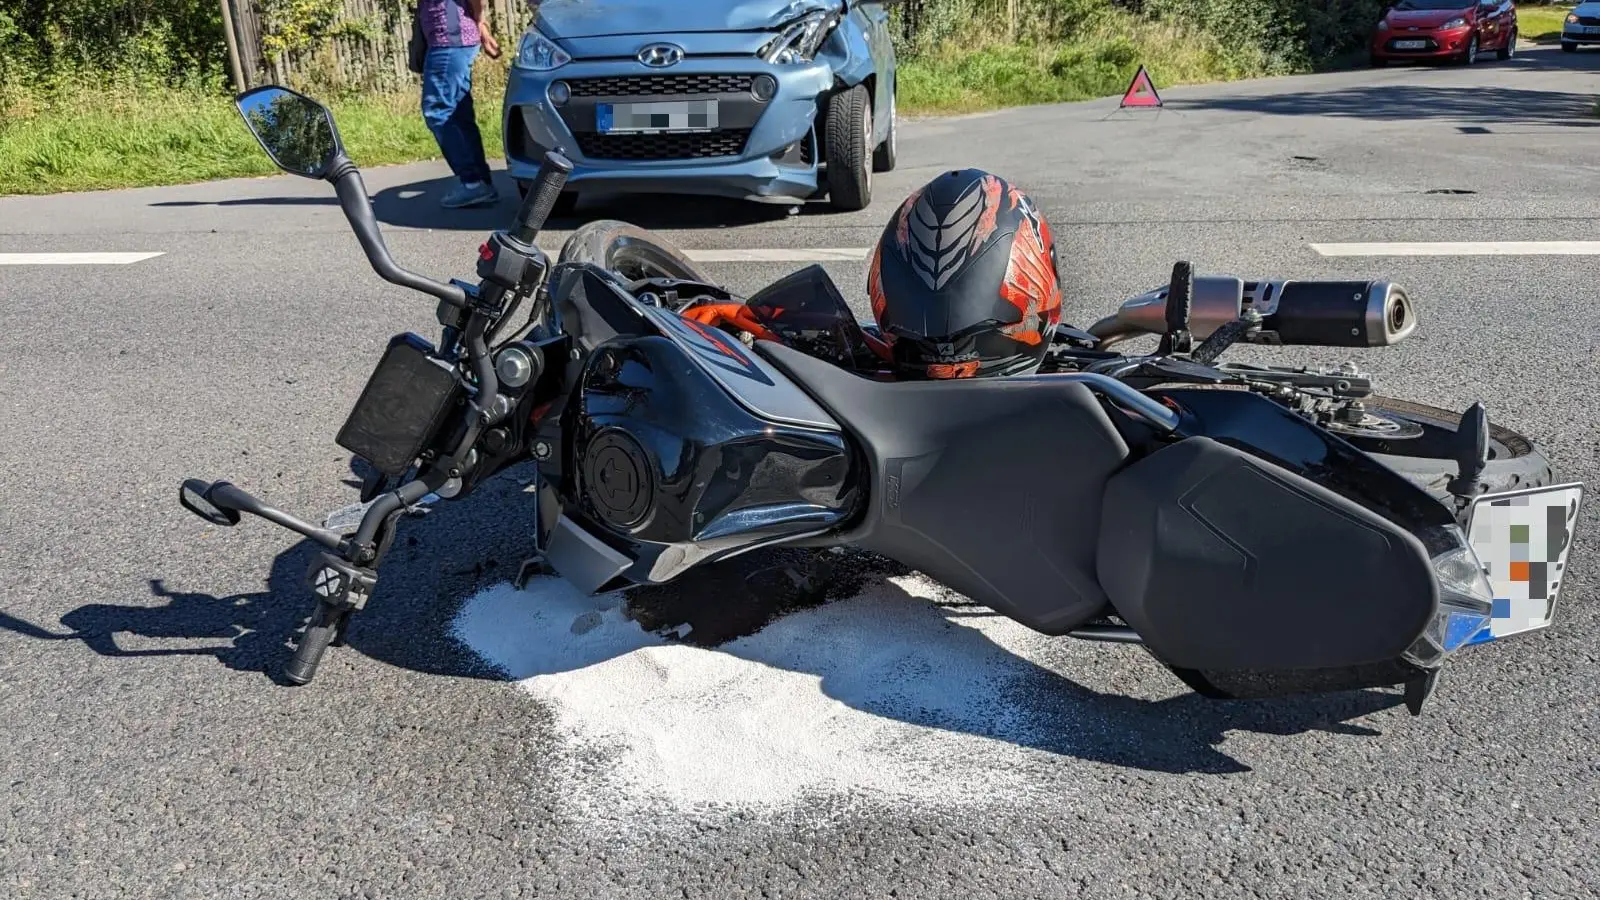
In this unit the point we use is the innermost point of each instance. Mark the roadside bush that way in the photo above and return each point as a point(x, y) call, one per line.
point(1288, 35)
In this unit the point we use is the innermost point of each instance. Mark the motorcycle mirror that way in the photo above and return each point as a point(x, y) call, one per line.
point(193, 496)
point(296, 131)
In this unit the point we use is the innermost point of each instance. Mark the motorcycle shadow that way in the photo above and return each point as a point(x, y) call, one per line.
point(891, 655)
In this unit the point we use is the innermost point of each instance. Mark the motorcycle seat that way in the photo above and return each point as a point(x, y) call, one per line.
point(992, 487)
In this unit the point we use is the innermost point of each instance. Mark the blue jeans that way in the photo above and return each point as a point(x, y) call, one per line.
point(447, 108)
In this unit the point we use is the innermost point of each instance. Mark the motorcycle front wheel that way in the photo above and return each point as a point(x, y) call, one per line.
point(632, 252)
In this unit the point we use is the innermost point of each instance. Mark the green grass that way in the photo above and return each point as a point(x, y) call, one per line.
point(86, 140)
point(1541, 24)
point(1099, 62)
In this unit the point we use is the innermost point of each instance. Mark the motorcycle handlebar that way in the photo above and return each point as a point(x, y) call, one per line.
point(357, 208)
point(542, 196)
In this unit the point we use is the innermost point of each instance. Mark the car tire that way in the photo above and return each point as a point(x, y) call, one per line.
point(1510, 49)
point(566, 203)
point(849, 149)
point(883, 158)
point(1470, 57)
point(1569, 47)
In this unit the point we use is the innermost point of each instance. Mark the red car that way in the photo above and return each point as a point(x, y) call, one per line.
point(1445, 30)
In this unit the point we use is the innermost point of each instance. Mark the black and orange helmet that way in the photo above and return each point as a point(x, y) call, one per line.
point(963, 281)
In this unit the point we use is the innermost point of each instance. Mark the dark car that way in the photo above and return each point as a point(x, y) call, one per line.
point(1445, 31)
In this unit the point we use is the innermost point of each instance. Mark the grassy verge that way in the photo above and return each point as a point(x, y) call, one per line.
point(1100, 61)
point(82, 140)
point(1541, 24)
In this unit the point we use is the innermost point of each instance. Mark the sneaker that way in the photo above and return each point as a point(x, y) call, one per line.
point(471, 195)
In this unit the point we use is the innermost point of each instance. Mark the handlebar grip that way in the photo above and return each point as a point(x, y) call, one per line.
point(542, 196)
point(319, 634)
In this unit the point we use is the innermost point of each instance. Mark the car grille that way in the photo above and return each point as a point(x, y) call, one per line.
point(662, 146)
point(1589, 20)
point(660, 85)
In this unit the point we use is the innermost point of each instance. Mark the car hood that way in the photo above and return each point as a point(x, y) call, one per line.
point(1587, 9)
point(1425, 18)
point(597, 18)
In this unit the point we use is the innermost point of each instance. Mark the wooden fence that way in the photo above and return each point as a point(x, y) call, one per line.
point(367, 50)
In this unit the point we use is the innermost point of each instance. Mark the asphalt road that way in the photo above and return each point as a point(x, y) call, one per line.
point(146, 751)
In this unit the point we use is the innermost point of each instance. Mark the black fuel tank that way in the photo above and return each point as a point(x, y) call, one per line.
point(676, 471)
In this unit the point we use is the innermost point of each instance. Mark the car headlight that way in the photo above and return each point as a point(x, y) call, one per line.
point(1457, 22)
point(1466, 601)
point(1572, 18)
point(539, 53)
point(800, 40)
point(1383, 24)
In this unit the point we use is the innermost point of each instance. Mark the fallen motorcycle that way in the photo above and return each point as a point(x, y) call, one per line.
point(1259, 530)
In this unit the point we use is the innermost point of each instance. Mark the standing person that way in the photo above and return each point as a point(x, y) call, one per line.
point(455, 29)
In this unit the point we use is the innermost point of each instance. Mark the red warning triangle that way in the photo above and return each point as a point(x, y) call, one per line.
point(1141, 92)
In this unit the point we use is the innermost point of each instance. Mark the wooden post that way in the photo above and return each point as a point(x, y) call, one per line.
point(233, 47)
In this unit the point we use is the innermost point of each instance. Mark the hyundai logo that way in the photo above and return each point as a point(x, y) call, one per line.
point(659, 56)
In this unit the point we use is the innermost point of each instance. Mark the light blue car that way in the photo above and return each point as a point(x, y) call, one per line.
point(1582, 26)
point(770, 100)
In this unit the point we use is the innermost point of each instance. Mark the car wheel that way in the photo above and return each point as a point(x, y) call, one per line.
point(849, 149)
point(1510, 49)
point(884, 156)
point(1471, 56)
point(1568, 47)
point(566, 203)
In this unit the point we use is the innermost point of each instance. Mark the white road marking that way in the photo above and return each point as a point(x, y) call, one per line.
point(73, 259)
point(797, 254)
point(1463, 248)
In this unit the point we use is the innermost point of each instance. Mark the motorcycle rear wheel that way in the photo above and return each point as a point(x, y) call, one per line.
point(632, 252)
point(1515, 461)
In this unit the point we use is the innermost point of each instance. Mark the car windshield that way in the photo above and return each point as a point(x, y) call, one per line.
point(1406, 5)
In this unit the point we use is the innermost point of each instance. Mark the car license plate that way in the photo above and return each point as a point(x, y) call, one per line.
point(662, 116)
point(1523, 537)
point(1410, 45)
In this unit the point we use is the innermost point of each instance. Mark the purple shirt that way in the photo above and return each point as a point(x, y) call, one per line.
point(448, 24)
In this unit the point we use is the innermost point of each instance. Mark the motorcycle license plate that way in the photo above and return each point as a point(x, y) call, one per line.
point(1523, 538)
point(1410, 45)
point(650, 118)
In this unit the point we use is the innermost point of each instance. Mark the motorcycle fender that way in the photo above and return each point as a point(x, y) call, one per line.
point(1223, 561)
